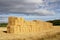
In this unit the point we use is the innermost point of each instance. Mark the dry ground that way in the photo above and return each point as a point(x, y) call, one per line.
point(51, 34)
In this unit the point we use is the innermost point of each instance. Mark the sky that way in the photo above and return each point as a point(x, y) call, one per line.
point(30, 9)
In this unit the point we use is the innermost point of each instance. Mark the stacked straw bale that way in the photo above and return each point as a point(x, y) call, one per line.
point(19, 25)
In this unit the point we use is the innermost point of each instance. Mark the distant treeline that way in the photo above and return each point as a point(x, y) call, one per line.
point(3, 24)
point(55, 22)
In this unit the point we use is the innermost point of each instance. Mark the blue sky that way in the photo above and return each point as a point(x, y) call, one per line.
point(30, 9)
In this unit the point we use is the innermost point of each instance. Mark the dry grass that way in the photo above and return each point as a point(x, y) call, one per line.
point(51, 34)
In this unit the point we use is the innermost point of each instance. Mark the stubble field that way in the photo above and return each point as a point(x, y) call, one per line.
point(51, 34)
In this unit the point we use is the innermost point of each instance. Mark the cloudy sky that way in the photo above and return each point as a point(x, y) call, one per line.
point(30, 9)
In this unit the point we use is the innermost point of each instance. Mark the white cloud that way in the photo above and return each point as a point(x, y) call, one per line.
point(34, 1)
point(45, 11)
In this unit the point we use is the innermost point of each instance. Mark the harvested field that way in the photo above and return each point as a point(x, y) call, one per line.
point(51, 34)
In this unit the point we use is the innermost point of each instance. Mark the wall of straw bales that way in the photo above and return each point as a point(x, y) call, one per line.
point(19, 25)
